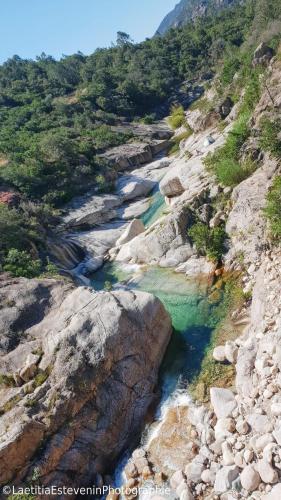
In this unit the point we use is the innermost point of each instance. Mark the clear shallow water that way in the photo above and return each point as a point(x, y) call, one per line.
point(190, 312)
point(156, 209)
point(189, 309)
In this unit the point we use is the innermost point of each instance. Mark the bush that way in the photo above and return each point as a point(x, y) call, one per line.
point(20, 263)
point(225, 161)
point(175, 142)
point(269, 140)
point(273, 208)
point(209, 242)
point(149, 119)
point(177, 117)
point(12, 229)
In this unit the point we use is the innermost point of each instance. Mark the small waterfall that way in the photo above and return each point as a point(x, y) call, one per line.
point(67, 253)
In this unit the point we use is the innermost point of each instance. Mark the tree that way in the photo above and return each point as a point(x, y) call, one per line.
point(123, 39)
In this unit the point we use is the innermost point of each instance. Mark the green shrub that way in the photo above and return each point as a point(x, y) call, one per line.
point(40, 378)
point(269, 140)
point(209, 242)
point(273, 208)
point(230, 67)
point(7, 380)
point(225, 163)
point(176, 140)
point(20, 263)
point(148, 119)
point(177, 117)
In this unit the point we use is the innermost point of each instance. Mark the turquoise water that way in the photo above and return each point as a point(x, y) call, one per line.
point(156, 209)
point(189, 309)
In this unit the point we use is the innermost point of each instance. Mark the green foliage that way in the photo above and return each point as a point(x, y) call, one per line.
point(230, 67)
point(56, 116)
point(270, 137)
point(12, 230)
point(176, 140)
point(273, 208)
point(208, 241)
point(40, 378)
point(20, 263)
point(225, 162)
point(213, 373)
point(149, 119)
point(7, 380)
point(177, 117)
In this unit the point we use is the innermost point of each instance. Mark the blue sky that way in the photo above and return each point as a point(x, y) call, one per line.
point(56, 27)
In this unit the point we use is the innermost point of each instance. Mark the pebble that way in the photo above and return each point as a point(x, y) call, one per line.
point(250, 478)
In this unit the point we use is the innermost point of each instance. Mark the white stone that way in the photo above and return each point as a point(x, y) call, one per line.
point(225, 477)
point(208, 476)
point(176, 479)
point(248, 456)
point(275, 493)
point(250, 478)
point(133, 229)
point(242, 427)
point(262, 441)
point(223, 402)
point(276, 409)
point(224, 428)
point(219, 353)
point(231, 352)
point(227, 455)
point(186, 494)
point(267, 473)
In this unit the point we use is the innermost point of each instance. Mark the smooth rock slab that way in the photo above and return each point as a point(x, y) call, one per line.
point(132, 230)
point(102, 352)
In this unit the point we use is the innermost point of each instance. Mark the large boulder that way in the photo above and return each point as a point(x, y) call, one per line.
point(246, 225)
point(133, 229)
point(132, 186)
point(223, 401)
point(161, 242)
point(88, 210)
point(95, 360)
point(185, 175)
point(263, 54)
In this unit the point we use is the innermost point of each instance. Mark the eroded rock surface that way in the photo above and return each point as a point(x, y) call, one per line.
point(78, 372)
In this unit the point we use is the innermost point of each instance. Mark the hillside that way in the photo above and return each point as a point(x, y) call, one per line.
point(140, 311)
point(188, 10)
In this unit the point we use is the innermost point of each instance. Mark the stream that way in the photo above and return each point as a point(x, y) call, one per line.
point(187, 302)
point(191, 312)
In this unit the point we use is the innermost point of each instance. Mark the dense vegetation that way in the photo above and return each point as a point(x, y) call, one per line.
point(208, 241)
point(56, 117)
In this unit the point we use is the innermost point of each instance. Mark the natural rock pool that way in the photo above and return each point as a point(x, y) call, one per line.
point(188, 305)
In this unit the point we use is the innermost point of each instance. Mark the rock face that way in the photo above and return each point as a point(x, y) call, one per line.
point(187, 10)
point(84, 366)
point(135, 228)
point(132, 186)
point(263, 54)
point(88, 210)
point(161, 242)
point(134, 154)
point(245, 224)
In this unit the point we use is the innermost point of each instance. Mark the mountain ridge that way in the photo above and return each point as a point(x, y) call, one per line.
point(188, 10)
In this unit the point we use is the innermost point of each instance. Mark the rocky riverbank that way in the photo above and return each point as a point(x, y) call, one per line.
point(231, 448)
point(79, 368)
point(78, 374)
